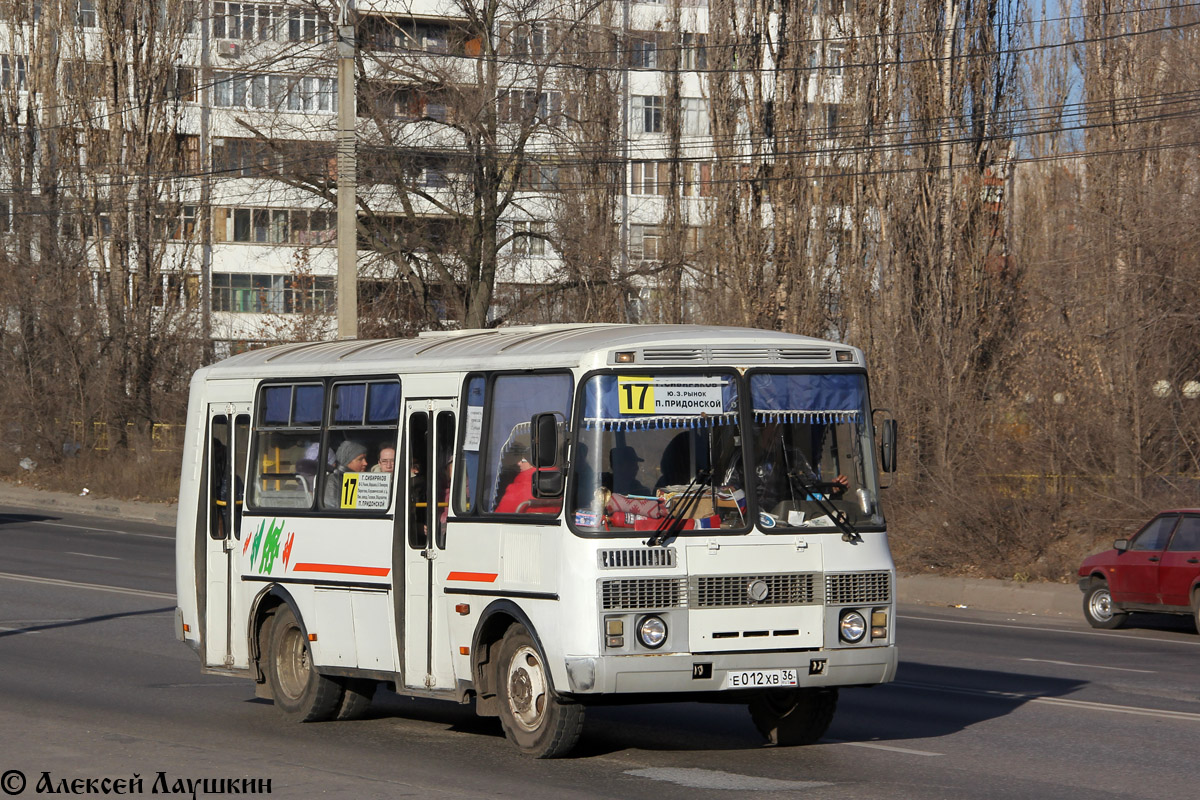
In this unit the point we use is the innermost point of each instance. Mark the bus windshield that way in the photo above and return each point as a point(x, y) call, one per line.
point(670, 445)
point(653, 446)
point(811, 450)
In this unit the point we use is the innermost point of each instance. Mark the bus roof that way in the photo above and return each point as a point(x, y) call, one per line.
point(536, 346)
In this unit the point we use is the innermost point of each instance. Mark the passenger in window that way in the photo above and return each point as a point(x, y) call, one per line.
point(520, 489)
point(351, 457)
point(387, 460)
point(625, 461)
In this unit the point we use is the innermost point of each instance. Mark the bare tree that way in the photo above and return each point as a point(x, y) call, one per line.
point(94, 156)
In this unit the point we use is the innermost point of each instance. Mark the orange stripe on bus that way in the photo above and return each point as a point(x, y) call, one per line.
point(343, 569)
point(477, 577)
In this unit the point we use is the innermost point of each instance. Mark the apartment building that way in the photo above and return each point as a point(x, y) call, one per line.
point(468, 131)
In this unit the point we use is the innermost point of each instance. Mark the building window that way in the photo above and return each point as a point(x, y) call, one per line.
point(525, 245)
point(85, 16)
point(643, 51)
point(694, 116)
point(649, 177)
point(242, 90)
point(273, 226)
point(266, 22)
point(647, 114)
point(645, 242)
point(304, 26)
point(694, 51)
point(12, 72)
point(835, 60)
point(272, 294)
point(527, 107)
point(696, 179)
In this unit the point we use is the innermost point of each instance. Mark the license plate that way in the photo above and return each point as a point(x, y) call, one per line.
point(759, 678)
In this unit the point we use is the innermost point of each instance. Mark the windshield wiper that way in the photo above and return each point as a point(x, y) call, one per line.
point(812, 492)
point(673, 522)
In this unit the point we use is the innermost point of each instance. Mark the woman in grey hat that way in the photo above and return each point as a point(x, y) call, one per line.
point(351, 457)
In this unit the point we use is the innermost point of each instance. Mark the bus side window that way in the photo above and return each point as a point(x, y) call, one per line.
point(218, 478)
point(241, 446)
point(514, 400)
point(444, 456)
point(419, 510)
point(287, 438)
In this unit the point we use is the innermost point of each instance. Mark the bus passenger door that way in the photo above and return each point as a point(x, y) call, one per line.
point(428, 461)
point(228, 441)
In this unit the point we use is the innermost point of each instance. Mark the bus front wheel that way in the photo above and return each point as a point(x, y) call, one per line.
point(534, 718)
point(300, 692)
point(794, 717)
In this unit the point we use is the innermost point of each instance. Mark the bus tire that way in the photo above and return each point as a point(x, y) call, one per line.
point(299, 691)
point(793, 718)
point(539, 722)
point(356, 700)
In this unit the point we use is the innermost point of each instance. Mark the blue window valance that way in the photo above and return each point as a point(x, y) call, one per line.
point(808, 398)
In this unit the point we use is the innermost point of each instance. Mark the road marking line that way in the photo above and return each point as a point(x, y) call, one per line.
point(80, 585)
point(1055, 701)
point(1052, 630)
point(888, 747)
point(92, 555)
point(1088, 666)
point(90, 528)
point(693, 778)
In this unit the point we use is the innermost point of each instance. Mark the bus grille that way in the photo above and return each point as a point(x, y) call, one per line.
point(731, 591)
point(636, 558)
point(853, 588)
point(643, 593)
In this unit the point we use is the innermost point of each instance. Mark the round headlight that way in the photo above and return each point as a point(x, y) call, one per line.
point(853, 627)
point(652, 632)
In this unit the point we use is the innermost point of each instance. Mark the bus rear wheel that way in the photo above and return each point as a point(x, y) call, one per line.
point(534, 718)
point(796, 717)
point(300, 692)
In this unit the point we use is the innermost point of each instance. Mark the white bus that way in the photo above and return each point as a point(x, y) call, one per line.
point(541, 518)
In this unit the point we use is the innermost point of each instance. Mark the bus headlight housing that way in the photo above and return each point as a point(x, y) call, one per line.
point(852, 627)
point(652, 632)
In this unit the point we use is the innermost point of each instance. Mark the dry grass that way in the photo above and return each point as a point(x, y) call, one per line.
point(122, 474)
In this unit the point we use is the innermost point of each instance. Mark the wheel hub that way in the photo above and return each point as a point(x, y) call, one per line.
point(1102, 605)
point(521, 691)
point(527, 688)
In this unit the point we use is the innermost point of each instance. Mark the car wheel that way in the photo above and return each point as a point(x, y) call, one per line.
point(1196, 609)
point(534, 718)
point(300, 692)
point(794, 717)
point(1099, 609)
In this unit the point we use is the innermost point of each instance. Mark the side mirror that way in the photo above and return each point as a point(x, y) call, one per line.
point(545, 447)
point(887, 446)
point(1121, 545)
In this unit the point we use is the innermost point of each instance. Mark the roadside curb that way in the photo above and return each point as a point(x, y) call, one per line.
point(1046, 599)
point(29, 497)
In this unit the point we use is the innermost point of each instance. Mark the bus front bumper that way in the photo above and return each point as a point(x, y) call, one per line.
point(716, 672)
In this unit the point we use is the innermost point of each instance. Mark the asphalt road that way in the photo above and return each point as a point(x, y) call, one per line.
point(985, 705)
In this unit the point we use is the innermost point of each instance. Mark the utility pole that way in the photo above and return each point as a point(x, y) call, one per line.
point(206, 178)
point(347, 178)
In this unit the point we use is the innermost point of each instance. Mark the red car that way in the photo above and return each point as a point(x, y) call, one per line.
point(1157, 570)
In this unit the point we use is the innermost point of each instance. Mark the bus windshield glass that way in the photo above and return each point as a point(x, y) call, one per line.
point(658, 446)
point(811, 450)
